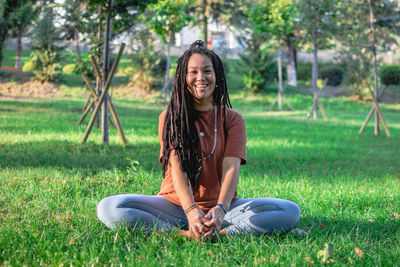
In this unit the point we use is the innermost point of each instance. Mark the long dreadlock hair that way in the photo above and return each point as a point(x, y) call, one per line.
point(180, 133)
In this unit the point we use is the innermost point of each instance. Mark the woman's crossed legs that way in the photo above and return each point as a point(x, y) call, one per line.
point(253, 215)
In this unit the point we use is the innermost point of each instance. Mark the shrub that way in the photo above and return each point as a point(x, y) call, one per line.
point(148, 68)
point(46, 64)
point(69, 69)
point(28, 66)
point(333, 74)
point(390, 74)
point(258, 67)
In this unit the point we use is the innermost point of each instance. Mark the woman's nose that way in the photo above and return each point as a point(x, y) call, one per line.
point(200, 76)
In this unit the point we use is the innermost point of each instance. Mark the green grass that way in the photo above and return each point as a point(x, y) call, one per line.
point(347, 185)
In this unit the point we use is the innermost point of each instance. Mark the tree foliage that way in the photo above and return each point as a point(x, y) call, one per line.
point(354, 35)
point(168, 16)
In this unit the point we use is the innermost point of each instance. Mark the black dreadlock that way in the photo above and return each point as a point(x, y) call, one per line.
point(180, 132)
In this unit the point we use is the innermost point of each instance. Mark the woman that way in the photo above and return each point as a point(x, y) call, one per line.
point(203, 144)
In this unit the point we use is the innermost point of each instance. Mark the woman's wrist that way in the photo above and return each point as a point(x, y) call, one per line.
point(222, 207)
point(190, 208)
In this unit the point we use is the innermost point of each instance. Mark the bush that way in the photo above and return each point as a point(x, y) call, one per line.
point(333, 74)
point(28, 66)
point(258, 67)
point(46, 65)
point(148, 69)
point(69, 69)
point(390, 74)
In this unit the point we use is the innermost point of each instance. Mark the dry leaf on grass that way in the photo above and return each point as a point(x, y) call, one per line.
point(72, 241)
point(326, 254)
point(322, 225)
point(309, 260)
point(359, 252)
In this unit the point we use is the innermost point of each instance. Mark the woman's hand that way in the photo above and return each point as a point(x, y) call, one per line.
point(197, 226)
point(214, 219)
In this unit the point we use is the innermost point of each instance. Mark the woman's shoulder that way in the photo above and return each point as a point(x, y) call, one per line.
point(162, 114)
point(233, 115)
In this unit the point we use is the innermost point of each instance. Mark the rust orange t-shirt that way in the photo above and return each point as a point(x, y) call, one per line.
point(209, 180)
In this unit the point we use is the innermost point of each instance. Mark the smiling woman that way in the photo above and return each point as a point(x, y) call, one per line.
point(201, 81)
point(202, 145)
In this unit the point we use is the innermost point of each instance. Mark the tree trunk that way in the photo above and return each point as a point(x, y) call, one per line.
point(315, 74)
point(3, 37)
point(376, 82)
point(20, 32)
point(280, 89)
point(291, 60)
point(106, 66)
point(166, 80)
point(205, 23)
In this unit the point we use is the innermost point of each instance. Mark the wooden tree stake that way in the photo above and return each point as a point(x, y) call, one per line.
point(102, 97)
point(377, 110)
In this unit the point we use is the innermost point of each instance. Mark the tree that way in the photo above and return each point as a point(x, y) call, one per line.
point(277, 18)
point(123, 14)
point(166, 18)
point(7, 8)
point(354, 36)
point(317, 19)
point(20, 19)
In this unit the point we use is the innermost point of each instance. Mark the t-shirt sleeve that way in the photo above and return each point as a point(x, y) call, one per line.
point(161, 119)
point(236, 138)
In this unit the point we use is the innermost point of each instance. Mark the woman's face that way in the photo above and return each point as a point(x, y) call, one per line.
point(200, 78)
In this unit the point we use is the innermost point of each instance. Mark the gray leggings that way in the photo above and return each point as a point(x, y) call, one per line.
point(252, 215)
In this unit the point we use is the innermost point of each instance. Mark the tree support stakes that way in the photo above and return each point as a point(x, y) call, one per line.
point(279, 96)
point(90, 105)
point(280, 86)
point(102, 97)
point(375, 107)
point(318, 103)
point(87, 102)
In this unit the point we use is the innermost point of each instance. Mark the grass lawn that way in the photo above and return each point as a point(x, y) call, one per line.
point(347, 185)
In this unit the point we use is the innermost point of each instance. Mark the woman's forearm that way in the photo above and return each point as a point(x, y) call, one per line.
point(230, 179)
point(181, 183)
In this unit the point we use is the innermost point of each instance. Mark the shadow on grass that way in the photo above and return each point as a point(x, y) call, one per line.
point(87, 158)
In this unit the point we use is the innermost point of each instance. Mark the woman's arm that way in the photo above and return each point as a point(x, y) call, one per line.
point(230, 179)
point(184, 191)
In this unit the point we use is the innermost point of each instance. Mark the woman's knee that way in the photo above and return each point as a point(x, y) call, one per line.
point(106, 210)
point(293, 213)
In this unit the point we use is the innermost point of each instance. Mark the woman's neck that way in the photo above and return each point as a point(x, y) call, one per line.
point(203, 106)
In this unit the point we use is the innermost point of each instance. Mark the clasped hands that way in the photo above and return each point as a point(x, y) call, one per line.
point(203, 226)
